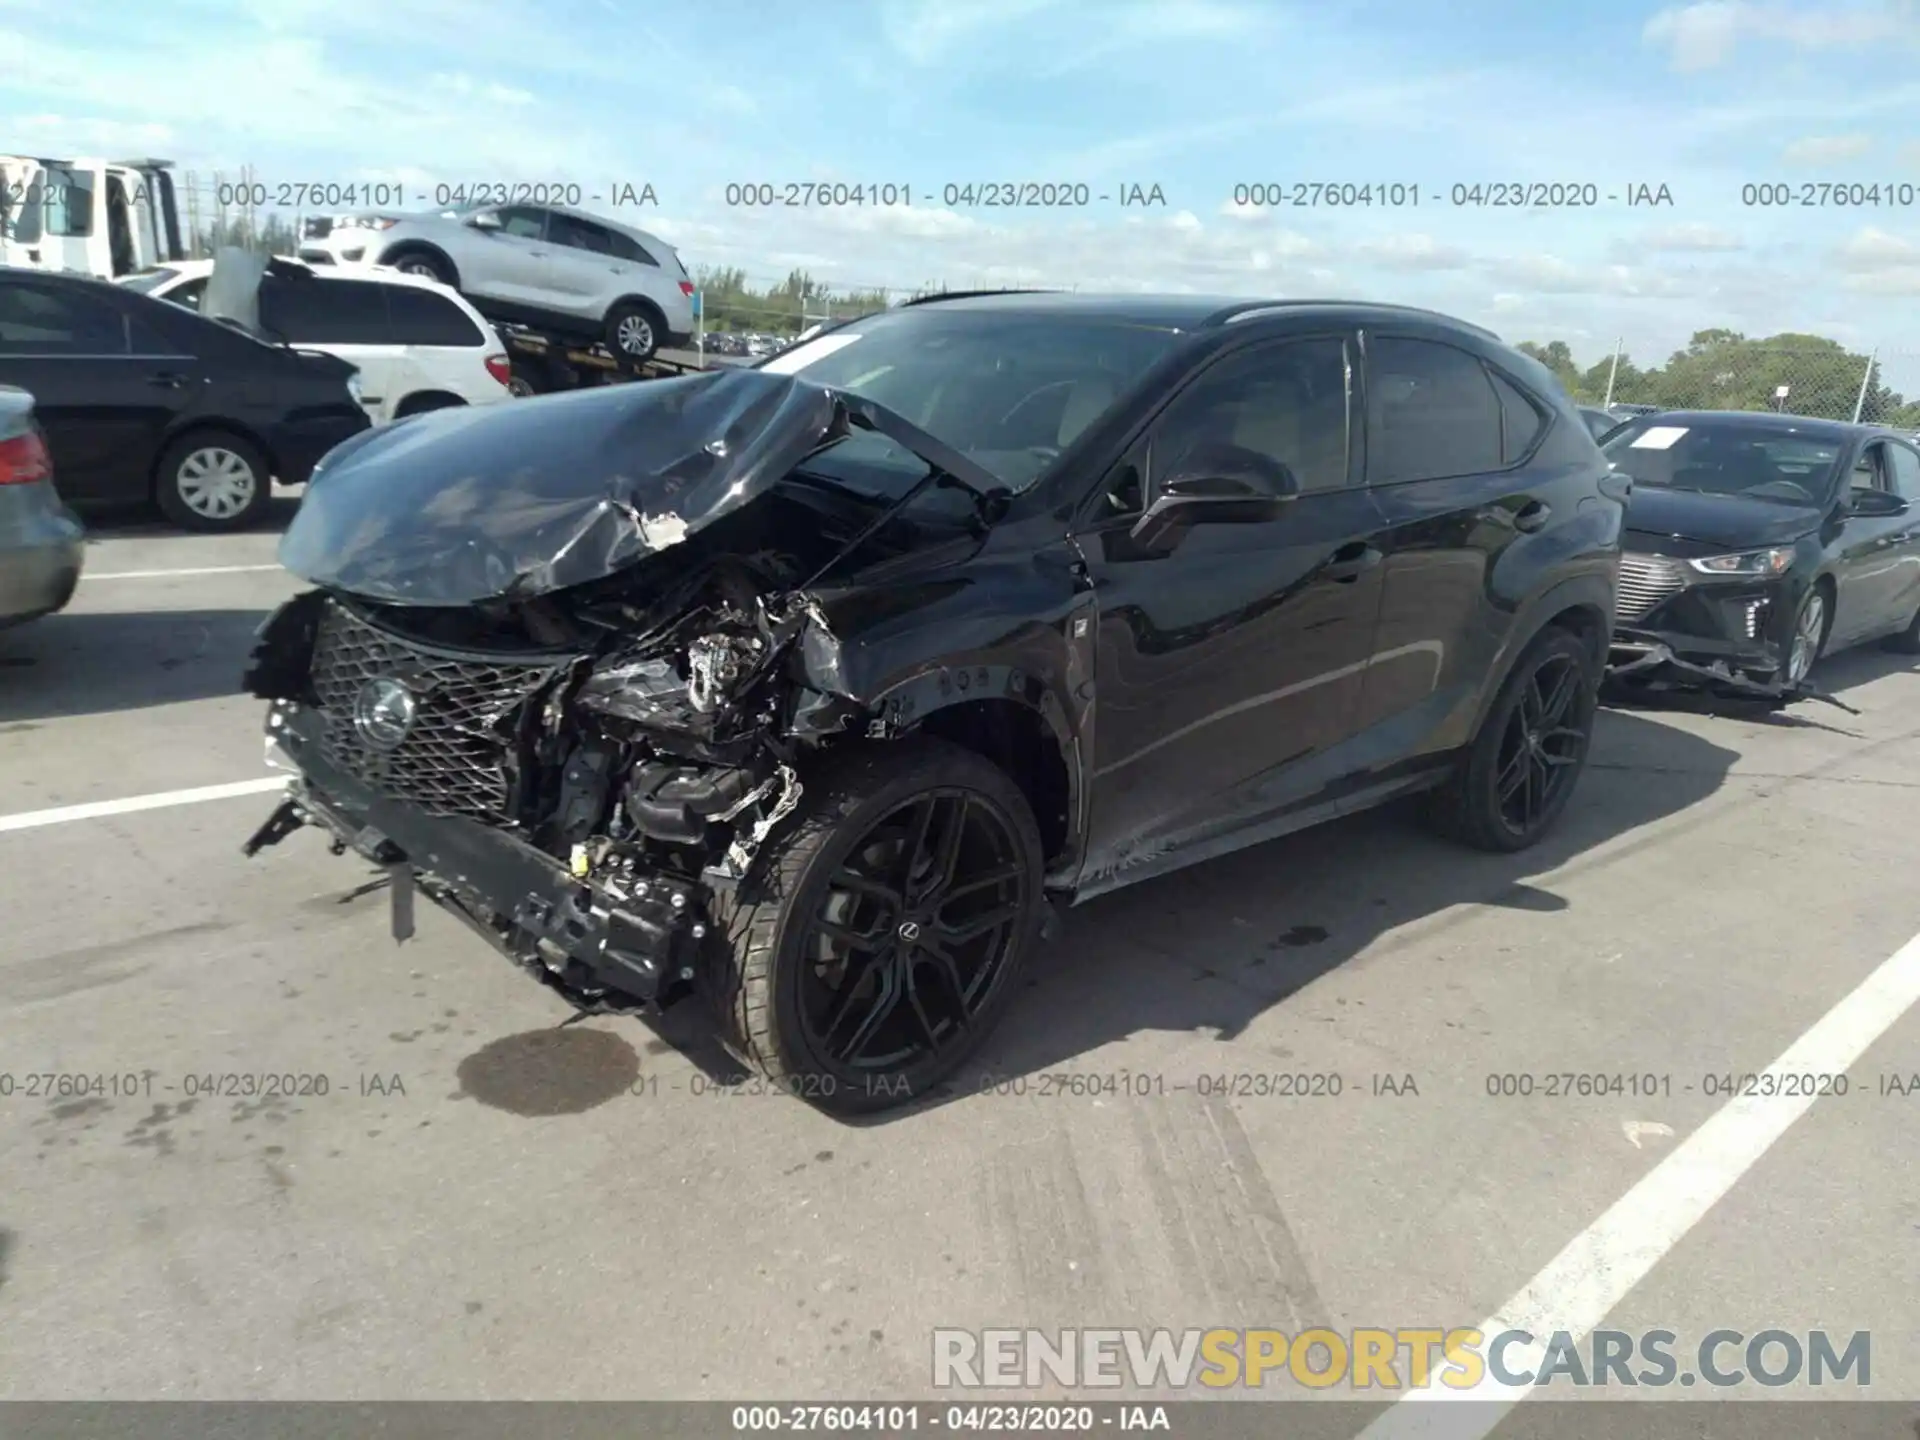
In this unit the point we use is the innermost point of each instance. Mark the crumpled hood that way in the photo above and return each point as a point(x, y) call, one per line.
point(528, 497)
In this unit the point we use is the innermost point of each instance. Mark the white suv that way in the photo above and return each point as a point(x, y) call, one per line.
point(419, 345)
point(535, 265)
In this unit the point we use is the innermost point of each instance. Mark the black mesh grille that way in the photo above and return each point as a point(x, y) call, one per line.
point(453, 760)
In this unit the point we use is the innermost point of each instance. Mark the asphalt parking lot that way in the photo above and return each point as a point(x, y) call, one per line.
point(484, 1205)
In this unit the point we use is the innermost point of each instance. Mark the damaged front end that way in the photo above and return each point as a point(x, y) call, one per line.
point(1654, 666)
point(577, 754)
point(580, 806)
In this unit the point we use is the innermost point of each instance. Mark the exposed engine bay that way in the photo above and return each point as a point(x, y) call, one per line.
point(640, 736)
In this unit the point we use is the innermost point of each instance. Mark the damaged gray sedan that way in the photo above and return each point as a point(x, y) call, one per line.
point(778, 686)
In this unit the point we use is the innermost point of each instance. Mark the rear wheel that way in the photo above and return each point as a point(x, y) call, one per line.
point(877, 943)
point(212, 481)
point(1521, 769)
point(634, 332)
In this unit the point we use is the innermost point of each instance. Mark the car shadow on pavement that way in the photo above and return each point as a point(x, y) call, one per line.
point(1210, 949)
point(87, 663)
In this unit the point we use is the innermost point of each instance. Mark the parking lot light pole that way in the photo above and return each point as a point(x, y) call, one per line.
point(1860, 400)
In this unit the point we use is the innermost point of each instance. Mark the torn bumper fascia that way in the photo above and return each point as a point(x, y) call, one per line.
point(586, 937)
point(1656, 661)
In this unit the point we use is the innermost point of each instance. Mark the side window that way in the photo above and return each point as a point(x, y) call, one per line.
point(578, 234)
point(526, 221)
point(625, 247)
point(69, 203)
point(1869, 471)
point(45, 321)
point(1520, 420)
point(421, 317)
point(1287, 401)
point(1432, 413)
point(325, 312)
point(1906, 471)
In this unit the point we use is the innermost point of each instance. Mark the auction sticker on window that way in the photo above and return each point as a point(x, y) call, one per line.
point(1659, 437)
point(802, 356)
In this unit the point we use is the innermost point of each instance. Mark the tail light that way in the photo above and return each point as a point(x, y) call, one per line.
point(500, 368)
point(24, 459)
point(686, 288)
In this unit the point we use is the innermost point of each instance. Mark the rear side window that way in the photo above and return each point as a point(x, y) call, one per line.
point(325, 312)
point(36, 320)
point(420, 317)
point(1431, 412)
point(1520, 420)
point(625, 247)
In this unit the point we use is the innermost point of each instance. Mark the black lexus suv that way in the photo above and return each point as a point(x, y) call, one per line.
point(812, 687)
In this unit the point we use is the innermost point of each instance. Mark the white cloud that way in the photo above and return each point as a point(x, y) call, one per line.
point(1826, 149)
point(1880, 263)
point(925, 31)
point(1414, 252)
point(1703, 35)
point(1694, 237)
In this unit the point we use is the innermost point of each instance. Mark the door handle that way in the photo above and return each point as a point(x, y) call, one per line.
point(167, 380)
point(1532, 517)
point(1350, 562)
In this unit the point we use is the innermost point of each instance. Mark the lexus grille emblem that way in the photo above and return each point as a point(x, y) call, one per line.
point(383, 713)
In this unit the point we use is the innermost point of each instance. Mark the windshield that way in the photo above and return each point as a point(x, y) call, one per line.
point(1009, 391)
point(147, 281)
point(1783, 463)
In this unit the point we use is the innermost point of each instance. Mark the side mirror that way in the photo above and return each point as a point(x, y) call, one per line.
point(1217, 484)
point(485, 220)
point(1878, 504)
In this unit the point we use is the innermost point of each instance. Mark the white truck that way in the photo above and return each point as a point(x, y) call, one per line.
point(105, 218)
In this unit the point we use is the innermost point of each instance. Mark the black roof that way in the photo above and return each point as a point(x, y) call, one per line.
point(1811, 425)
point(1180, 312)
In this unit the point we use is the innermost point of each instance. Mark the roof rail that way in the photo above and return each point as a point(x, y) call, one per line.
point(1275, 307)
point(973, 294)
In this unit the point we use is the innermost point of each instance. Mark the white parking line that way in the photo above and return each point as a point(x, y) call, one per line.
point(1584, 1282)
point(100, 809)
point(169, 574)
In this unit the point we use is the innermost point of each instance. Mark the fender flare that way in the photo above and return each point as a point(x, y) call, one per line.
point(1577, 591)
point(907, 702)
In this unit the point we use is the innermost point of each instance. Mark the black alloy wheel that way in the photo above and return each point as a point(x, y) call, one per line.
point(1523, 764)
point(1542, 747)
point(876, 943)
point(913, 934)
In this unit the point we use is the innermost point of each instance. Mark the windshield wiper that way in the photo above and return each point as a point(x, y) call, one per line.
point(945, 467)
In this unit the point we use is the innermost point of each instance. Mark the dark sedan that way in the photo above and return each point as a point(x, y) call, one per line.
point(1758, 542)
point(41, 542)
point(145, 401)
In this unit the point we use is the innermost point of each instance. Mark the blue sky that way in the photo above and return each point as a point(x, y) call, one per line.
point(1195, 96)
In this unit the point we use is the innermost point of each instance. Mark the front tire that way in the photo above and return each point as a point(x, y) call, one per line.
point(1526, 758)
point(425, 264)
point(1810, 625)
point(212, 482)
point(877, 942)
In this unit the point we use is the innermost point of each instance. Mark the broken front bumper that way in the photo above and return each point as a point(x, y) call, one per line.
point(1656, 663)
point(596, 946)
